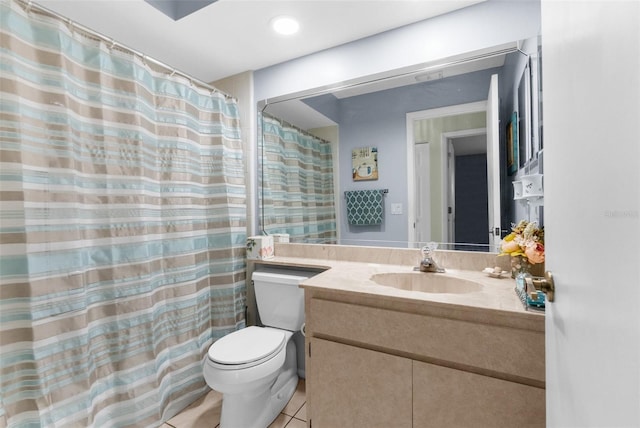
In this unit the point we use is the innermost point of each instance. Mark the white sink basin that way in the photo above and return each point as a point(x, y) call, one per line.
point(426, 282)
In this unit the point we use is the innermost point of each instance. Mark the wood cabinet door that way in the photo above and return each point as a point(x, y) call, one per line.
point(354, 387)
point(449, 398)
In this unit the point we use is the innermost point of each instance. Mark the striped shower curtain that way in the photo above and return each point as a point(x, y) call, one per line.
point(296, 181)
point(122, 229)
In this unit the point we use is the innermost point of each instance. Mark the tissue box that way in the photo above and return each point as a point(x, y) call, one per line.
point(260, 247)
point(280, 237)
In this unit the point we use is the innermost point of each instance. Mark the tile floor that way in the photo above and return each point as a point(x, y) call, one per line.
point(205, 412)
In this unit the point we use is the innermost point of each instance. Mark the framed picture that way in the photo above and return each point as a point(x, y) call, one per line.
point(364, 161)
point(512, 144)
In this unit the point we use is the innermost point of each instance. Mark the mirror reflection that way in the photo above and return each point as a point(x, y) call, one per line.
point(431, 154)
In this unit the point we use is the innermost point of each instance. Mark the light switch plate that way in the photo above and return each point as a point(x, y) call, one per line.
point(396, 209)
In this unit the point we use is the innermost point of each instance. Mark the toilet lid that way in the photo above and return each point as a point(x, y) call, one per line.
point(247, 345)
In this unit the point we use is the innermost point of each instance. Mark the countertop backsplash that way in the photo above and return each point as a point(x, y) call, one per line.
point(467, 260)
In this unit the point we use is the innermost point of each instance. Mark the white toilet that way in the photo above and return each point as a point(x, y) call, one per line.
point(256, 368)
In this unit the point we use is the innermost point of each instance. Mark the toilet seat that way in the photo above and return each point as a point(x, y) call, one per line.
point(246, 348)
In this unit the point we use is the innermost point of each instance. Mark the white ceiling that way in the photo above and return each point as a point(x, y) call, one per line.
point(471, 145)
point(233, 36)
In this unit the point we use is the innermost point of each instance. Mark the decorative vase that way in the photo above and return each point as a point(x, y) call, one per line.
point(521, 269)
point(520, 265)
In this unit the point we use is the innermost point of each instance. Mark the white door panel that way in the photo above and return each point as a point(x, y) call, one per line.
point(423, 193)
point(591, 87)
point(493, 163)
point(450, 207)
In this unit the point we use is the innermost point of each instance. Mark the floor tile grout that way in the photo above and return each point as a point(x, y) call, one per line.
point(294, 416)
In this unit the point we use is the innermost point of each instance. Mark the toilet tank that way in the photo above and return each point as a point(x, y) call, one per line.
point(280, 301)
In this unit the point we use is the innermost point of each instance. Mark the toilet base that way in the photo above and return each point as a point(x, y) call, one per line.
point(266, 407)
point(258, 408)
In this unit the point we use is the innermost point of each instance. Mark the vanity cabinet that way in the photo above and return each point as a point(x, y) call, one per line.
point(445, 397)
point(354, 386)
point(382, 366)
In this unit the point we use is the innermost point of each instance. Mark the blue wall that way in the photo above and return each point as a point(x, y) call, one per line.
point(480, 26)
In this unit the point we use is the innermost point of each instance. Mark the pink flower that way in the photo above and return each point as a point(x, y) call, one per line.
point(535, 253)
point(265, 251)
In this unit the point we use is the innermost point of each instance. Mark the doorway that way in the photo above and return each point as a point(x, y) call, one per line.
point(466, 184)
point(431, 188)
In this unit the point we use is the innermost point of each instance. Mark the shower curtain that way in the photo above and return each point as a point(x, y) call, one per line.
point(296, 181)
point(122, 229)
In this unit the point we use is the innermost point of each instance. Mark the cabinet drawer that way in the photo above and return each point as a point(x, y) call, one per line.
point(514, 354)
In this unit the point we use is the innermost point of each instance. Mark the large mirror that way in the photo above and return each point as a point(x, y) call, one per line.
point(427, 154)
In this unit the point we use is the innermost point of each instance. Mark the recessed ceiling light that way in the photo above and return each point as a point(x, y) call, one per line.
point(285, 25)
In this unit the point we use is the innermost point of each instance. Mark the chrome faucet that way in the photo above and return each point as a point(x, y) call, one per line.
point(427, 263)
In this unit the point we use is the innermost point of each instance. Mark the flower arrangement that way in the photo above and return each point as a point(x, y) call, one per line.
point(526, 240)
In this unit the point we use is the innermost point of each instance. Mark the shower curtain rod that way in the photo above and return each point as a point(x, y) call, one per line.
point(285, 123)
point(30, 6)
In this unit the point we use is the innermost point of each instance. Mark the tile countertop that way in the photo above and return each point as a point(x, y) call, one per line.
point(497, 297)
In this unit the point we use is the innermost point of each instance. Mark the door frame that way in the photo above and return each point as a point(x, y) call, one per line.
point(454, 110)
